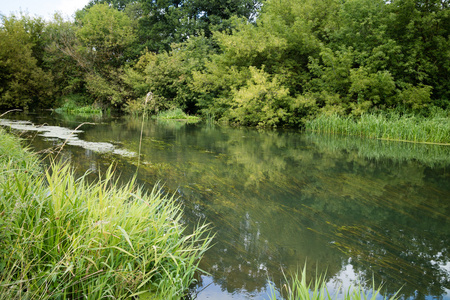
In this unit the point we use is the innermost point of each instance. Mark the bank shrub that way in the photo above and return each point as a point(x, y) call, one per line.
point(62, 237)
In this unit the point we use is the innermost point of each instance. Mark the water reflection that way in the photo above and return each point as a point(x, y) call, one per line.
point(354, 208)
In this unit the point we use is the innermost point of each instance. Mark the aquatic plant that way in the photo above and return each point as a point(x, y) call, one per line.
point(62, 237)
point(176, 114)
point(297, 288)
point(76, 105)
point(393, 126)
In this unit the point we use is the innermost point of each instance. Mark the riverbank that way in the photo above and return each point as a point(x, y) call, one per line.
point(63, 237)
point(434, 129)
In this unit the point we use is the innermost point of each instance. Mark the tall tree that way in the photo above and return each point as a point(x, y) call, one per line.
point(104, 34)
point(160, 23)
point(23, 84)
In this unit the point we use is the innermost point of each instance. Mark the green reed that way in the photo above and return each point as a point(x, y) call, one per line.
point(176, 114)
point(392, 126)
point(298, 288)
point(62, 237)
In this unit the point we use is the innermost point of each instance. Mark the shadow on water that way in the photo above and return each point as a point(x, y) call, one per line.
point(355, 209)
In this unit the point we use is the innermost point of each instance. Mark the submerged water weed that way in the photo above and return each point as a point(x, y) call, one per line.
point(395, 127)
point(297, 288)
point(62, 237)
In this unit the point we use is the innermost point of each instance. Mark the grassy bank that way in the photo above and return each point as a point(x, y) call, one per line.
point(64, 238)
point(176, 114)
point(77, 105)
point(396, 127)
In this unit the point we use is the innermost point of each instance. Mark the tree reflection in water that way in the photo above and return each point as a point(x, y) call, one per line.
point(277, 199)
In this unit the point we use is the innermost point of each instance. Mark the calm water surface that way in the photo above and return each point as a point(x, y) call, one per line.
point(359, 210)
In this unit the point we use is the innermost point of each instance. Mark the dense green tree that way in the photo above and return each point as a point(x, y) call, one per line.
point(168, 75)
point(422, 30)
point(279, 43)
point(104, 35)
point(63, 58)
point(160, 23)
point(23, 84)
point(347, 57)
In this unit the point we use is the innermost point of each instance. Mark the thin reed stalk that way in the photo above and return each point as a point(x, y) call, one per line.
point(147, 99)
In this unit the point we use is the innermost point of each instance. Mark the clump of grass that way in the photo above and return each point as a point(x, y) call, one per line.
point(65, 238)
point(297, 288)
point(395, 127)
point(76, 105)
point(176, 114)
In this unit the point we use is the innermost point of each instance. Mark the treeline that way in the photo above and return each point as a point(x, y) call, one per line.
point(268, 63)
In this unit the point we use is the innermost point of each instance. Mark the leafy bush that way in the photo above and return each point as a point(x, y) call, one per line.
point(263, 101)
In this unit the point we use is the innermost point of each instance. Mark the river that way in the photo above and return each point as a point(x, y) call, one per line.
point(357, 211)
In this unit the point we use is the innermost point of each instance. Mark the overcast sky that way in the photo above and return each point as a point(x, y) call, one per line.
point(42, 8)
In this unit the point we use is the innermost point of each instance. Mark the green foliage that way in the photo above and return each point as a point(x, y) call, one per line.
point(104, 34)
point(78, 105)
point(63, 237)
point(63, 58)
point(263, 101)
point(415, 99)
point(168, 76)
point(176, 114)
point(432, 129)
point(349, 58)
point(23, 84)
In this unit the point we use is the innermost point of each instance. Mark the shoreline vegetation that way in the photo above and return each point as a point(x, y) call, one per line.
point(76, 105)
point(261, 63)
point(176, 114)
point(62, 237)
point(434, 129)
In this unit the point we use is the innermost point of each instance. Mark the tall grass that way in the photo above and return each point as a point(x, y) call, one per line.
point(393, 126)
point(297, 288)
point(176, 114)
point(64, 238)
point(75, 104)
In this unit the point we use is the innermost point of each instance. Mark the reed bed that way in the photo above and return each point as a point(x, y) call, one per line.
point(393, 126)
point(62, 237)
point(298, 288)
point(176, 114)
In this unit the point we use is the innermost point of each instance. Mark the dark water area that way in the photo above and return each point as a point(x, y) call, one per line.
point(359, 211)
